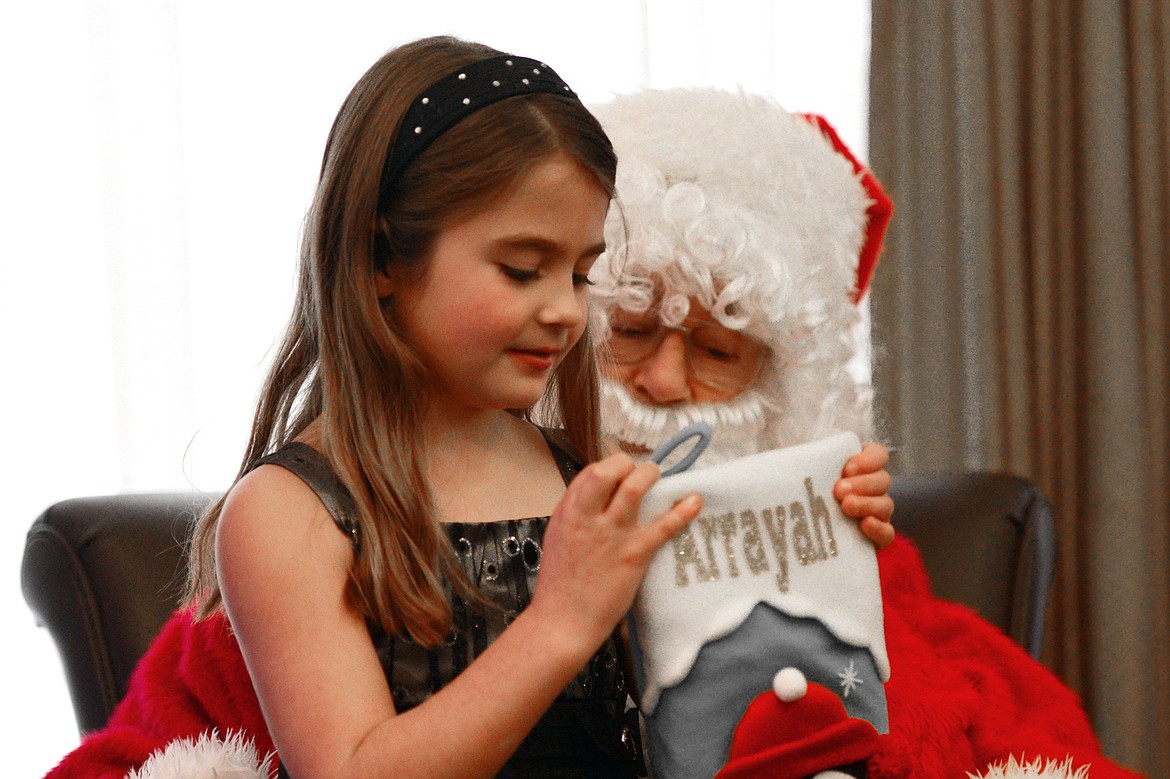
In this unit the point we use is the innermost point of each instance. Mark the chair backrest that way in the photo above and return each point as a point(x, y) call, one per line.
point(103, 574)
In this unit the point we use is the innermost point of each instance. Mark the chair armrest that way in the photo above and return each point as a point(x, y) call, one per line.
point(988, 541)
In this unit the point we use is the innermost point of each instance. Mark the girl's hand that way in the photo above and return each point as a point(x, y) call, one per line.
point(863, 491)
point(596, 551)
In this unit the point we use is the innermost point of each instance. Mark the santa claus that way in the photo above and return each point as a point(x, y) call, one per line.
point(741, 242)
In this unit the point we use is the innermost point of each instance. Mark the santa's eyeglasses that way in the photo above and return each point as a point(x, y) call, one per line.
point(716, 356)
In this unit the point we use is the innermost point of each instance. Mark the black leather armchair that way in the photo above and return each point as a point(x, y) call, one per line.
point(104, 573)
point(988, 541)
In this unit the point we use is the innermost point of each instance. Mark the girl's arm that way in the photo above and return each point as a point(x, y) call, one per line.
point(283, 567)
point(863, 492)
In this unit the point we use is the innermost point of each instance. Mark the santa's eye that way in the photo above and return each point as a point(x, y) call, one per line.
point(719, 354)
point(632, 332)
point(633, 325)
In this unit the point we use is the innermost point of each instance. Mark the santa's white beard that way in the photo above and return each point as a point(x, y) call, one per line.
point(738, 424)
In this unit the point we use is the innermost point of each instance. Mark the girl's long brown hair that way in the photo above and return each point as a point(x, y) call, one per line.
point(342, 363)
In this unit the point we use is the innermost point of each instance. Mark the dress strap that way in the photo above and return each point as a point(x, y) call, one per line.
point(314, 470)
point(569, 460)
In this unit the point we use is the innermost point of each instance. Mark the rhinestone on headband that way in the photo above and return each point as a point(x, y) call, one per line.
point(453, 97)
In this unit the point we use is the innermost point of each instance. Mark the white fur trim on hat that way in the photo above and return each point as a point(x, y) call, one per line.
point(232, 757)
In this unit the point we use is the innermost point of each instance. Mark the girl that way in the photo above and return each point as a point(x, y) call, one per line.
point(461, 206)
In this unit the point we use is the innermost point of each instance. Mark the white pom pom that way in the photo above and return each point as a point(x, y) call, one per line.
point(790, 685)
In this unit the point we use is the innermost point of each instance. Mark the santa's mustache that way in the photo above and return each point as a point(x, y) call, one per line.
point(738, 423)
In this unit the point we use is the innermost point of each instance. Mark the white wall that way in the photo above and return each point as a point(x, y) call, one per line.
point(156, 158)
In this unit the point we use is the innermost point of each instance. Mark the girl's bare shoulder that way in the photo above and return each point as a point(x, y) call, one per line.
point(271, 511)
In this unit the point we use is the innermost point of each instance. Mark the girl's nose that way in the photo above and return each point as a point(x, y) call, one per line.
point(565, 307)
point(663, 376)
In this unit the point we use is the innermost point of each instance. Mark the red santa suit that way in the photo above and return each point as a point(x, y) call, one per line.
point(962, 697)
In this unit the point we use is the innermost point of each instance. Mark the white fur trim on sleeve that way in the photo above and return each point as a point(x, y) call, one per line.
point(1037, 769)
point(231, 757)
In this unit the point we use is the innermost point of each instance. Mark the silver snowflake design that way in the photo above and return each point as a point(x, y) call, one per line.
point(849, 679)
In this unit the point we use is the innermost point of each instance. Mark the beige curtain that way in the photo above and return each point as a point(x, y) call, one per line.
point(1021, 308)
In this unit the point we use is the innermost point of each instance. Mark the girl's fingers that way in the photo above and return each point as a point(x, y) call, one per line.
point(593, 489)
point(628, 496)
point(667, 526)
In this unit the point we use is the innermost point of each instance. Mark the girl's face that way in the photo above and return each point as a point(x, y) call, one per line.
point(504, 295)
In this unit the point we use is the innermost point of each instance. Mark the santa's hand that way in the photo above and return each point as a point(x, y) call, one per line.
point(863, 492)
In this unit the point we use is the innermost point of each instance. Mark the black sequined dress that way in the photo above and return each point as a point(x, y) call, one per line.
point(588, 731)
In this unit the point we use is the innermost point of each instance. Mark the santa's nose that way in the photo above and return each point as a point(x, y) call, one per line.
point(663, 376)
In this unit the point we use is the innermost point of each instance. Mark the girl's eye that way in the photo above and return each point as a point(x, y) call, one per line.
point(518, 274)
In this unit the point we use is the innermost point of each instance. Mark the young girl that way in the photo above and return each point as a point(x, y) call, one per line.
point(412, 586)
point(377, 556)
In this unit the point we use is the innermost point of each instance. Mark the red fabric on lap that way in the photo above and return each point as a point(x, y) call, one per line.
point(191, 680)
point(962, 695)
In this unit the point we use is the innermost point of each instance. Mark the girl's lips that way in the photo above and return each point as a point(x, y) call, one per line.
point(540, 359)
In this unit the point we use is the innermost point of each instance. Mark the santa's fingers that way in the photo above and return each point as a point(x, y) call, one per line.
point(870, 484)
point(881, 506)
point(872, 457)
point(879, 532)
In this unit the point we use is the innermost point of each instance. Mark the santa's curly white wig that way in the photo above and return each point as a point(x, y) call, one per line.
point(766, 220)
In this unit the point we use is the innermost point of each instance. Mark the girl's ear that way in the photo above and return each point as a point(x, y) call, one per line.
point(384, 284)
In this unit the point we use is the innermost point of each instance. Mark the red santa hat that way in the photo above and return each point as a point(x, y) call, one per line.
point(878, 214)
point(797, 729)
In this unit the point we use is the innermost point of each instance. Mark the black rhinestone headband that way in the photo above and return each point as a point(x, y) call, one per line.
point(442, 105)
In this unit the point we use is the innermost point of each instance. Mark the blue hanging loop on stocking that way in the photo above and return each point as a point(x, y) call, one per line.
point(700, 430)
